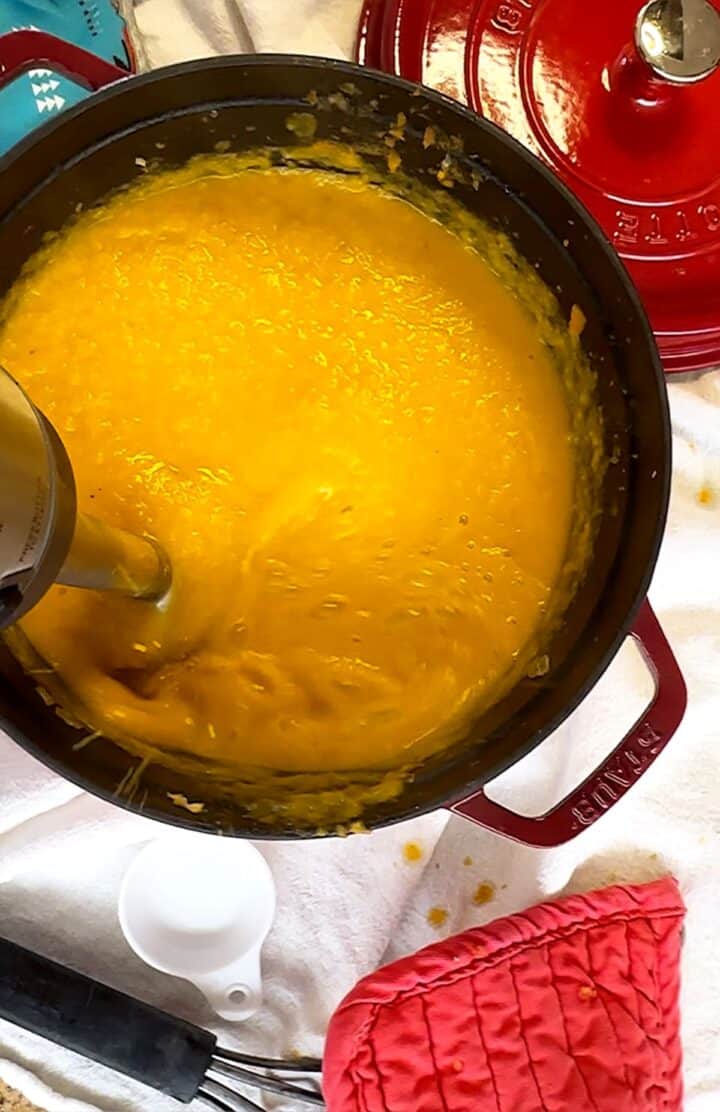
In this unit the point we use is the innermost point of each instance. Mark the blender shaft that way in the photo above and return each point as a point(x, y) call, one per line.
point(103, 558)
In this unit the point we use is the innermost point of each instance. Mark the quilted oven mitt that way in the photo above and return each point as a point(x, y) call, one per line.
point(571, 1005)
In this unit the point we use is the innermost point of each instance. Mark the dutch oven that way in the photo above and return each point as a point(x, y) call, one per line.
point(170, 115)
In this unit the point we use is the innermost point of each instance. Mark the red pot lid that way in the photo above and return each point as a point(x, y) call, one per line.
point(636, 146)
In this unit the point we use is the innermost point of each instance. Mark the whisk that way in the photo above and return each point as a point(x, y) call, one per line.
point(169, 1054)
point(241, 1067)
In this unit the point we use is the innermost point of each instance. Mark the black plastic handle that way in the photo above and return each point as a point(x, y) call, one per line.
point(97, 1021)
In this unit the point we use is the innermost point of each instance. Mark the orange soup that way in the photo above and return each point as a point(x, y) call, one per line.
point(343, 426)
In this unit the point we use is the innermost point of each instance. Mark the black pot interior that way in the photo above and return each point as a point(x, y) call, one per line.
point(171, 116)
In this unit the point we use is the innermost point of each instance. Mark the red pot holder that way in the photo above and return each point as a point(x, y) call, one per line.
point(571, 1005)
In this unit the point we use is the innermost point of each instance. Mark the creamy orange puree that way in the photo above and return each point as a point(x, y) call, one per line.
point(347, 434)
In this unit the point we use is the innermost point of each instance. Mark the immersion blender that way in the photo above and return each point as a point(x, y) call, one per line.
point(43, 538)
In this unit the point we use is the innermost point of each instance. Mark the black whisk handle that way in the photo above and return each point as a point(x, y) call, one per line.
point(102, 1024)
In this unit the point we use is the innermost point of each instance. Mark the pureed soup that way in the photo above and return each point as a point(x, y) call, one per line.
point(352, 421)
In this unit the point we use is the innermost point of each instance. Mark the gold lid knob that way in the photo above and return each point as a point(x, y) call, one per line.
point(679, 39)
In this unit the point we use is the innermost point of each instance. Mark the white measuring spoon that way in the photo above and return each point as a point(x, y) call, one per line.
point(200, 907)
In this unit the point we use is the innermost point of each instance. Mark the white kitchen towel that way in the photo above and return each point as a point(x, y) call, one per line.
point(346, 906)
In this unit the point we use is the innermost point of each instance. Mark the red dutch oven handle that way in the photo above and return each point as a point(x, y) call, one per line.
point(21, 51)
point(616, 775)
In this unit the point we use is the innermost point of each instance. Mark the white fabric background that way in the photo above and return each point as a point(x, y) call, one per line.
point(345, 906)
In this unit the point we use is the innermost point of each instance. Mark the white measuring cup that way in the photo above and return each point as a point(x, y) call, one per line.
point(200, 907)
